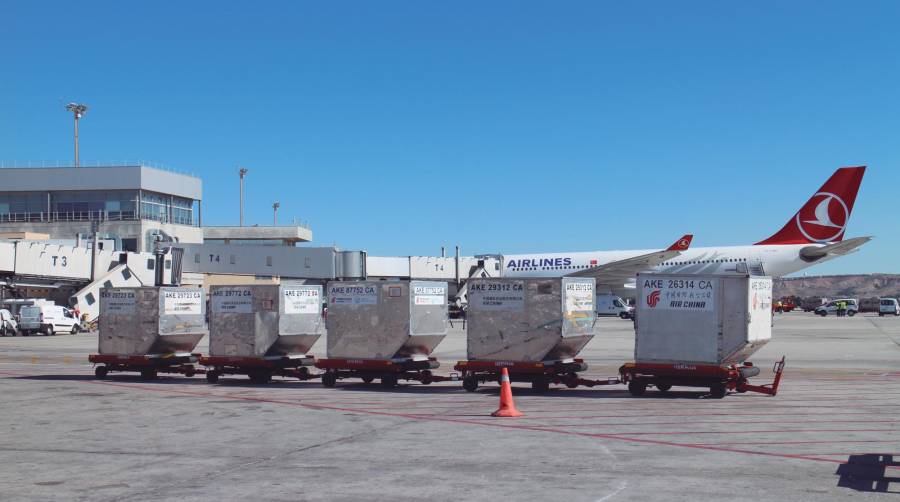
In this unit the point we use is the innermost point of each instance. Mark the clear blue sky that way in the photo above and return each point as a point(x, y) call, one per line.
point(398, 127)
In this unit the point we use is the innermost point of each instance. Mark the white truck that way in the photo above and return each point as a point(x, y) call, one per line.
point(612, 305)
point(47, 319)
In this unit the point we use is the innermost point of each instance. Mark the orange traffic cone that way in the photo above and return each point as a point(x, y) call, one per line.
point(507, 406)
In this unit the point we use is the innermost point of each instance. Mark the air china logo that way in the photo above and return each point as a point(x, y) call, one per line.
point(653, 299)
point(823, 218)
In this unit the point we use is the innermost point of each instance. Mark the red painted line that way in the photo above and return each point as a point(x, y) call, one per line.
point(734, 432)
point(766, 443)
point(739, 422)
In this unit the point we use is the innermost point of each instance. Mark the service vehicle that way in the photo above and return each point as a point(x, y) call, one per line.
point(8, 325)
point(48, 320)
point(832, 307)
point(612, 305)
point(889, 306)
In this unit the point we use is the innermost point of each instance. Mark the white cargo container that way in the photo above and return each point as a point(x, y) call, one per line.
point(701, 319)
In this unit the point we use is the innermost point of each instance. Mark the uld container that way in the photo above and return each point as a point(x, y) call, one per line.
point(701, 319)
point(151, 320)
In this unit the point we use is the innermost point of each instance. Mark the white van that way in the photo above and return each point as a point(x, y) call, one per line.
point(888, 306)
point(47, 319)
point(612, 305)
point(8, 325)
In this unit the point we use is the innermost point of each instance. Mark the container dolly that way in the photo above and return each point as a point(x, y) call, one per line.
point(719, 379)
point(148, 365)
point(541, 373)
point(388, 371)
point(259, 369)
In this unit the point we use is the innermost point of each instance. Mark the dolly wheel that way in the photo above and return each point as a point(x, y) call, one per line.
point(470, 383)
point(329, 378)
point(101, 371)
point(637, 388)
point(260, 377)
point(425, 377)
point(540, 385)
point(368, 379)
point(572, 380)
point(189, 371)
point(389, 381)
point(303, 373)
point(717, 391)
point(663, 387)
point(212, 377)
point(148, 374)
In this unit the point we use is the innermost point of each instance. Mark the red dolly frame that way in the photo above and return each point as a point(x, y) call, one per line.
point(540, 373)
point(149, 365)
point(719, 379)
point(259, 369)
point(388, 371)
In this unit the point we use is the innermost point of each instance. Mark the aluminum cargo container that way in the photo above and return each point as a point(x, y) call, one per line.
point(529, 319)
point(264, 320)
point(151, 320)
point(701, 319)
point(385, 319)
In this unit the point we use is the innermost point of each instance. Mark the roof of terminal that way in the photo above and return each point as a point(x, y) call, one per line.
point(49, 179)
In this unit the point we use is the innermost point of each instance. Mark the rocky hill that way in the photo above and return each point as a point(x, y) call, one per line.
point(832, 286)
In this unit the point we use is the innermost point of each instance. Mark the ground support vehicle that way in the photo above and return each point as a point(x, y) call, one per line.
point(259, 369)
point(388, 371)
point(540, 374)
point(148, 365)
point(719, 379)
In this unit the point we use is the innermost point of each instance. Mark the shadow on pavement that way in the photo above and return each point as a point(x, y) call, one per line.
point(867, 473)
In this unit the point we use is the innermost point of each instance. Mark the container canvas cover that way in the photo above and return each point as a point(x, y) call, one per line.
point(529, 319)
point(385, 319)
point(151, 320)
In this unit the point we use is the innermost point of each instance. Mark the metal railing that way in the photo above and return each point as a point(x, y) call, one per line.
point(70, 216)
point(4, 164)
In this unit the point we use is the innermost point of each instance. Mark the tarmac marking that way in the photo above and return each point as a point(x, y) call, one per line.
point(466, 421)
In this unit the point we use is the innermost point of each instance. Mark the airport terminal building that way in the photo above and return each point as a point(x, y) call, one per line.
point(134, 206)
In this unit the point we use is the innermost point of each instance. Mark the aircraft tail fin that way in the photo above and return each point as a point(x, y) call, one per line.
point(825, 215)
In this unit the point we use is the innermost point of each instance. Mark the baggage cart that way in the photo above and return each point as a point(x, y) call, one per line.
point(262, 331)
point(149, 330)
point(532, 327)
point(384, 330)
point(698, 330)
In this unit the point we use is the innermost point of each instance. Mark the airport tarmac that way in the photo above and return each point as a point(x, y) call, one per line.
point(826, 436)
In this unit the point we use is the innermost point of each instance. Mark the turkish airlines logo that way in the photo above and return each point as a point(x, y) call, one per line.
point(653, 299)
point(823, 218)
point(683, 243)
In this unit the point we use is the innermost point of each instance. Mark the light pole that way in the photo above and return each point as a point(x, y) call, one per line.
point(243, 172)
point(78, 110)
point(275, 207)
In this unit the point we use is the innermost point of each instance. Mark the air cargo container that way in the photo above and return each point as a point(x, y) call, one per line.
point(263, 330)
point(534, 327)
point(698, 330)
point(384, 329)
point(150, 329)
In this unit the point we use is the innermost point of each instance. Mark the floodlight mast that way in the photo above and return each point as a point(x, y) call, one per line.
point(242, 172)
point(77, 109)
point(275, 207)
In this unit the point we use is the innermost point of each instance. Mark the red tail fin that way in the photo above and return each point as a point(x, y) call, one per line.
point(682, 244)
point(825, 215)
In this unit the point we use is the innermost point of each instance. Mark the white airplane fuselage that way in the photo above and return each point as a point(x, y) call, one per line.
point(776, 261)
